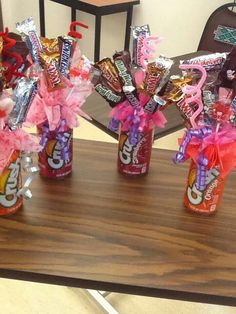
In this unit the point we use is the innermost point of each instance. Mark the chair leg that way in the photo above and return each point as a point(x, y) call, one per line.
point(42, 17)
point(102, 301)
point(97, 38)
point(128, 27)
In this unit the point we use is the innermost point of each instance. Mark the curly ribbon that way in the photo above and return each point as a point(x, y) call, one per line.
point(28, 167)
point(148, 50)
point(202, 160)
point(45, 135)
point(201, 172)
point(60, 137)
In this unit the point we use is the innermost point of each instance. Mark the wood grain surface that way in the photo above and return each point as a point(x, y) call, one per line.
point(99, 109)
point(102, 230)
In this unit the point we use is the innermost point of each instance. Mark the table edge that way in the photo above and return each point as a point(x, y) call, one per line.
point(117, 287)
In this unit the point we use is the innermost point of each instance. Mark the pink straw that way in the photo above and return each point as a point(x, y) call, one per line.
point(195, 91)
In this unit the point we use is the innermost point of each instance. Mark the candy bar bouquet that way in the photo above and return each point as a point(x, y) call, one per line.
point(131, 88)
point(207, 102)
point(16, 95)
point(63, 86)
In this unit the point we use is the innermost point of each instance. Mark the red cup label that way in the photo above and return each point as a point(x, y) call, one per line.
point(208, 200)
point(134, 159)
point(51, 161)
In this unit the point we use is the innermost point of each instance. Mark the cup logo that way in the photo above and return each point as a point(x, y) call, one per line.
point(54, 152)
point(195, 196)
point(125, 150)
point(9, 184)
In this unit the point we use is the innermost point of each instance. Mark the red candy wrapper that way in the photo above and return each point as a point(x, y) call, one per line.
point(50, 159)
point(10, 183)
point(207, 201)
point(134, 160)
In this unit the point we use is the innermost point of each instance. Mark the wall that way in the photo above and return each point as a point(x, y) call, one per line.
point(179, 22)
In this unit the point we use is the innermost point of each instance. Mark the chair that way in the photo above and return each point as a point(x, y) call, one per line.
point(219, 34)
point(98, 8)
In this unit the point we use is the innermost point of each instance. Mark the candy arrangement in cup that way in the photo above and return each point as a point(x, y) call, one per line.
point(207, 103)
point(16, 96)
point(131, 88)
point(62, 74)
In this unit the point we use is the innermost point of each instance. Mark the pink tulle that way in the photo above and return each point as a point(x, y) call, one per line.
point(17, 140)
point(63, 104)
point(123, 111)
point(6, 105)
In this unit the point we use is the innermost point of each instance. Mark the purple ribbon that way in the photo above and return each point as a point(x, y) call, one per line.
point(202, 161)
point(114, 124)
point(134, 133)
point(60, 137)
point(45, 135)
point(201, 172)
point(63, 141)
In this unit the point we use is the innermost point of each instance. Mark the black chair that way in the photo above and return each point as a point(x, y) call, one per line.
point(219, 34)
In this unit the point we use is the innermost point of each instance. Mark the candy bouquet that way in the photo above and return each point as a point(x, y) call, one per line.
point(131, 88)
point(16, 96)
point(206, 99)
point(63, 86)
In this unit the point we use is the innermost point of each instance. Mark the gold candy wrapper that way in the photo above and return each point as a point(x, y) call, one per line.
point(176, 94)
point(110, 73)
point(50, 45)
point(52, 73)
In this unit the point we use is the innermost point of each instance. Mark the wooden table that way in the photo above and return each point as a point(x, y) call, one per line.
point(98, 108)
point(98, 8)
point(98, 229)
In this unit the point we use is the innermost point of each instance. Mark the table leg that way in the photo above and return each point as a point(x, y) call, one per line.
point(97, 38)
point(102, 301)
point(42, 17)
point(128, 26)
point(73, 14)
